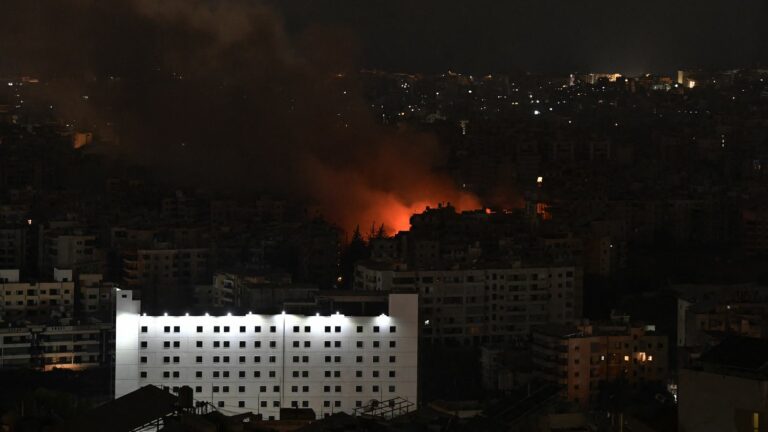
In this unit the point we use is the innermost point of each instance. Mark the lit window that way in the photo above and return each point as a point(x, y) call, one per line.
point(626, 358)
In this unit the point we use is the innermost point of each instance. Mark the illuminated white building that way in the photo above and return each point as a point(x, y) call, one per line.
point(260, 363)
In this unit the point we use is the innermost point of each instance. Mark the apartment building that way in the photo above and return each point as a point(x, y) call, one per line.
point(581, 358)
point(56, 347)
point(36, 300)
point(260, 363)
point(472, 306)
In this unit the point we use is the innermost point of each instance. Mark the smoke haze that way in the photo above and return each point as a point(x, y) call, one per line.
point(219, 93)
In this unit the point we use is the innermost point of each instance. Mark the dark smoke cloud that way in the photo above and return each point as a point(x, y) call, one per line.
point(218, 93)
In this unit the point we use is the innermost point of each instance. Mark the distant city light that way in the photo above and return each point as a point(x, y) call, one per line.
point(536, 112)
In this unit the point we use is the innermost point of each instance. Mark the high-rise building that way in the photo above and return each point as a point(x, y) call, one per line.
point(260, 363)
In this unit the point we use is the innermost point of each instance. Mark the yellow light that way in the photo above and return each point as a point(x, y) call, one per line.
point(626, 358)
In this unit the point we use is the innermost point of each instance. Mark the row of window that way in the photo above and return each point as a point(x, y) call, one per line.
point(272, 374)
point(272, 329)
point(270, 359)
point(294, 389)
point(272, 344)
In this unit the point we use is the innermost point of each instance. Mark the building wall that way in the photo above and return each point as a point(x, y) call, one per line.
point(488, 305)
point(55, 347)
point(711, 402)
point(260, 363)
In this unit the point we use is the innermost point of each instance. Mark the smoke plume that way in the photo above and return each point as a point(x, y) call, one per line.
point(217, 92)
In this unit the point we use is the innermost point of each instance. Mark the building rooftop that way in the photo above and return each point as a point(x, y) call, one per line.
point(738, 356)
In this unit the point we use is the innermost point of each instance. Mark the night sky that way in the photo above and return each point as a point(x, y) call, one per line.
point(545, 35)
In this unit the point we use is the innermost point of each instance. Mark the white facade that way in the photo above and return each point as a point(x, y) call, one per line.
point(259, 363)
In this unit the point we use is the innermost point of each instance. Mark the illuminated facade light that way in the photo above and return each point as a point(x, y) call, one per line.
point(157, 350)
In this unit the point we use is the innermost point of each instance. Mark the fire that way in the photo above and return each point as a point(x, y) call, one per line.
point(395, 214)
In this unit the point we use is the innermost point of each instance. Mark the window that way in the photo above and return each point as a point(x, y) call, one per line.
point(376, 388)
point(337, 359)
point(272, 344)
point(241, 374)
point(176, 344)
point(307, 329)
point(242, 344)
point(375, 374)
point(305, 374)
point(294, 389)
point(375, 329)
point(199, 359)
point(257, 344)
point(391, 374)
point(337, 344)
point(242, 329)
point(263, 404)
point(359, 389)
point(295, 374)
point(226, 329)
point(392, 359)
point(359, 329)
point(143, 374)
point(392, 329)
point(326, 389)
point(327, 359)
point(272, 359)
point(296, 329)
point(167, 329)
point(198, 389)
point(199, 344)
point(143, 344)
point(241, 404)
point(216, 359)
point(272, 329)
point(226, 344)
point(176, 329)
point(375, 344)
point(215, 389)
point(327, 344)
point(375, 359)
point(359, 344)
point(391, 389)
point(337, 404)
point(305, 359)
point(257, 359)
point(392, 344)
point(756, 422)
point(175, 359)
point(216, 329)
point(241, 359)
point(327, 329)
point(358, 374)
point(199, 374)
point(327, 404)
point(143, 329)
point(263, 389)
point(199, 329)
point(296, 344)
point(327, 374)
point(166, 359)
point(276, 389)
point(307, 344)
point(272, 374)
point(257, 374)
point(257, 329)
point(216, 344)
point(295, 359)
point(359, 359)
point(337, 329)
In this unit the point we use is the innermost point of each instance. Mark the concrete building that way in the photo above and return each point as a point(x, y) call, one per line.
point(475, 306)
point(95, 295)
point(166, 266)
point(261, 293)
point(260, 363)
point(728, 390)
point(36, 300)
point(581, 358)
point(56, 347)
